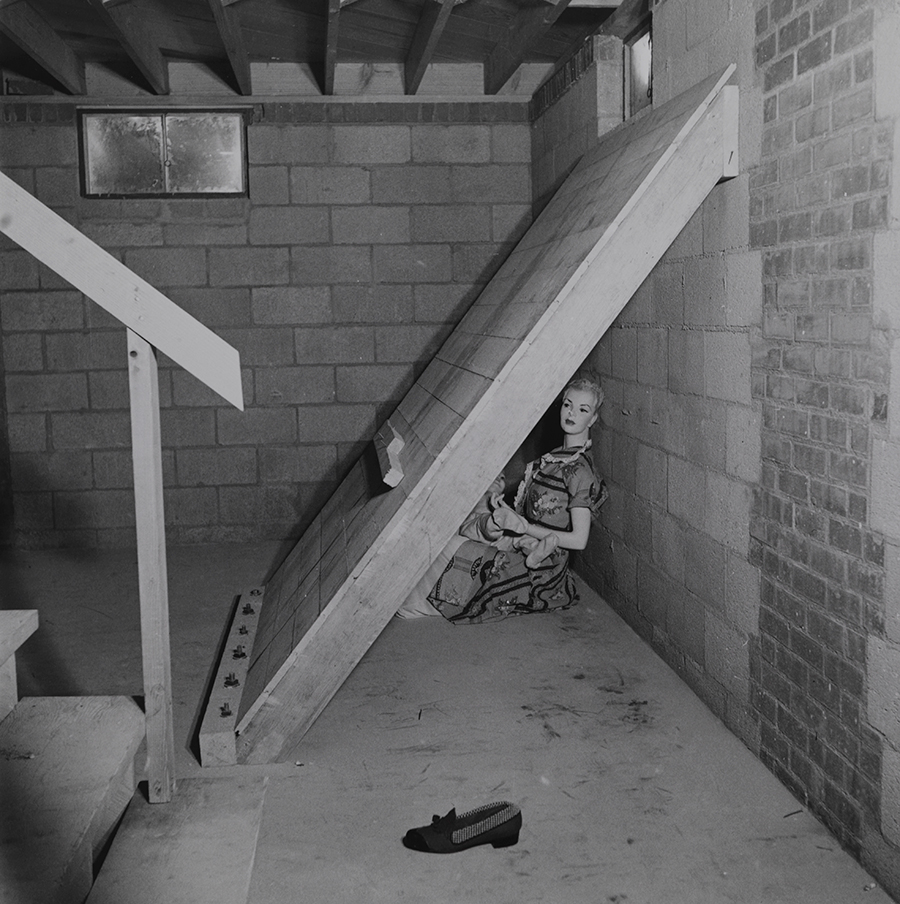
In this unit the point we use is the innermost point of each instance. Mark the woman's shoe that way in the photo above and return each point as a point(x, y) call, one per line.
point(497, 824)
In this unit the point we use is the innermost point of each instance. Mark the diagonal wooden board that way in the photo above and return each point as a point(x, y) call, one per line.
point(537, 320)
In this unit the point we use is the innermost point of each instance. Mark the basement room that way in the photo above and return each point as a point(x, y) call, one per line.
point(456, 427)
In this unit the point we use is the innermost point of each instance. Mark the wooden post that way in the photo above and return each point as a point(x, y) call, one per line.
point(153, 584)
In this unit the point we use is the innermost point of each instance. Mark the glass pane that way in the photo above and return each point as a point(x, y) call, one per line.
point(640, 73)
point(123, 154)
point(204, 152)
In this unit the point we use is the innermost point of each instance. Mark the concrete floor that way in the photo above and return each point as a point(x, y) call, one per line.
point(630, 789)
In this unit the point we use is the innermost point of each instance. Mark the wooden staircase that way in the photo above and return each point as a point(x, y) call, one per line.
point(509, 357)
point(67, 773)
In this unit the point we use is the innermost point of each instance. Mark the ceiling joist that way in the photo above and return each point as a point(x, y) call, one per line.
point(229, 25)
point(31, 32)
point(510, 51)
point(137, 40)
point(428, 32)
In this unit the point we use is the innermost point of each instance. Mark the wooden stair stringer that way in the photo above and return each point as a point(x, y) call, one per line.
point(595, 274)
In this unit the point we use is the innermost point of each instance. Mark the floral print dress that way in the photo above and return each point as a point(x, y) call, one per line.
point(485, 583)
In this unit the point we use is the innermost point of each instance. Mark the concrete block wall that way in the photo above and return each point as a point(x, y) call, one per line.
point(368, 230)
point(679, 439)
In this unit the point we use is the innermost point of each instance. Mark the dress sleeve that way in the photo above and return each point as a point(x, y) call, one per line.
point(585, 488)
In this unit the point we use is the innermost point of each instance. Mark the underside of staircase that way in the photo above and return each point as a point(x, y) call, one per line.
point(294, 642)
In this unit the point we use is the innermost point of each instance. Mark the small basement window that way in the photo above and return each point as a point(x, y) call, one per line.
point(638, 74)
point(144, 154)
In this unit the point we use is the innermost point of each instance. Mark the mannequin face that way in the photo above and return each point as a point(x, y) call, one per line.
point(578, 414)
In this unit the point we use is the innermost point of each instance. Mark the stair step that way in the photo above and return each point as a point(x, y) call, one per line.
point(66, 776)
point(197, 848)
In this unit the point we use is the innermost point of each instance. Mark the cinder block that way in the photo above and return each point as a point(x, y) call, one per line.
point(303, 385)
point(269, 185)
point(93, 509)
point(509, 184)
point(742, 443)
point(509, 222)
point(412, 263)
point(336, 423)
point(511, 143)
point(668, 293)
point(743, 278)
point(23, 352)
point(727, 366)
point(187, 427)
point(686, 362)
point(260, 505)
point(179, 234)
point(371, 145)
point(291, 304)
point(668, 545)
point(298, 464)
point(373, 383)
point(624, 352)
point(451, 223)
point(262, 346)
point(58, 470)
point(44, 145)
point(95, 350)
point(287, 145)
point(333, 185)
point(27, 432)
point(112, 236)
point(452, 144)
point(653, 357)
point(108, 389)
point(249, 266)
point(56, 186)
point(688, 493)
point(652, 476)
point(727, 657)
point(406, 344)
point(704, 290)
point(33, 511)
point(168, 266)
point(728, 511)
point(890, 796)
point(289, 225)
point(46, 392)
point(18, 270)
point(215, 467)
point(113, 470)
point(410, 184)
point(442, 303)
point(373, 304)
point(477, 263)
point(335, 345)
point(188, 391)
point(373, 225)
point(331, 264)
point(215, 307)
point(186, 506)
point(91, 430)
point(256, 426)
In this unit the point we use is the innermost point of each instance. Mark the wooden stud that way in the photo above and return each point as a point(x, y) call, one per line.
point(152, 576)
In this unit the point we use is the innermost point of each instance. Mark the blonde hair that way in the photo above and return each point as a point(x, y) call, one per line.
point(587, 382)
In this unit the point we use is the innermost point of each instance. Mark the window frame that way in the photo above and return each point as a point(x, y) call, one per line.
point(163, 114)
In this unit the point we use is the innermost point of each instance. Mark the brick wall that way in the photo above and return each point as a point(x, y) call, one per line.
point(820, 369)
point(368, 230)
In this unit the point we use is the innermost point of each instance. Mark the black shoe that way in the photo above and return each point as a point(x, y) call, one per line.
point(497, 824)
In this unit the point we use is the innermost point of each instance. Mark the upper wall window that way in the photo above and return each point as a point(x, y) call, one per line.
point(152, 154)
point(638, 73)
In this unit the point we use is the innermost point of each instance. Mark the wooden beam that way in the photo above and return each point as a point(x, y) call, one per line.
point(434, 18)
point(31, 32)
point(141, 307)
point(629, 18)
point(228, 23)
point(329, 63)
point(509, 53)
point(131, 29)
point(146, 455)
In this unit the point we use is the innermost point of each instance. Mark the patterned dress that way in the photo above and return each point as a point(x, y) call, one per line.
point(484, 583)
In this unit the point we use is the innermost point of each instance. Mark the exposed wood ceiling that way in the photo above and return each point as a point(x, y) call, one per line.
point(50, 44)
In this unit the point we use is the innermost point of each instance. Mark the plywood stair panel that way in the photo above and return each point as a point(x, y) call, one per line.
point(66, 775)
point(504, 364)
